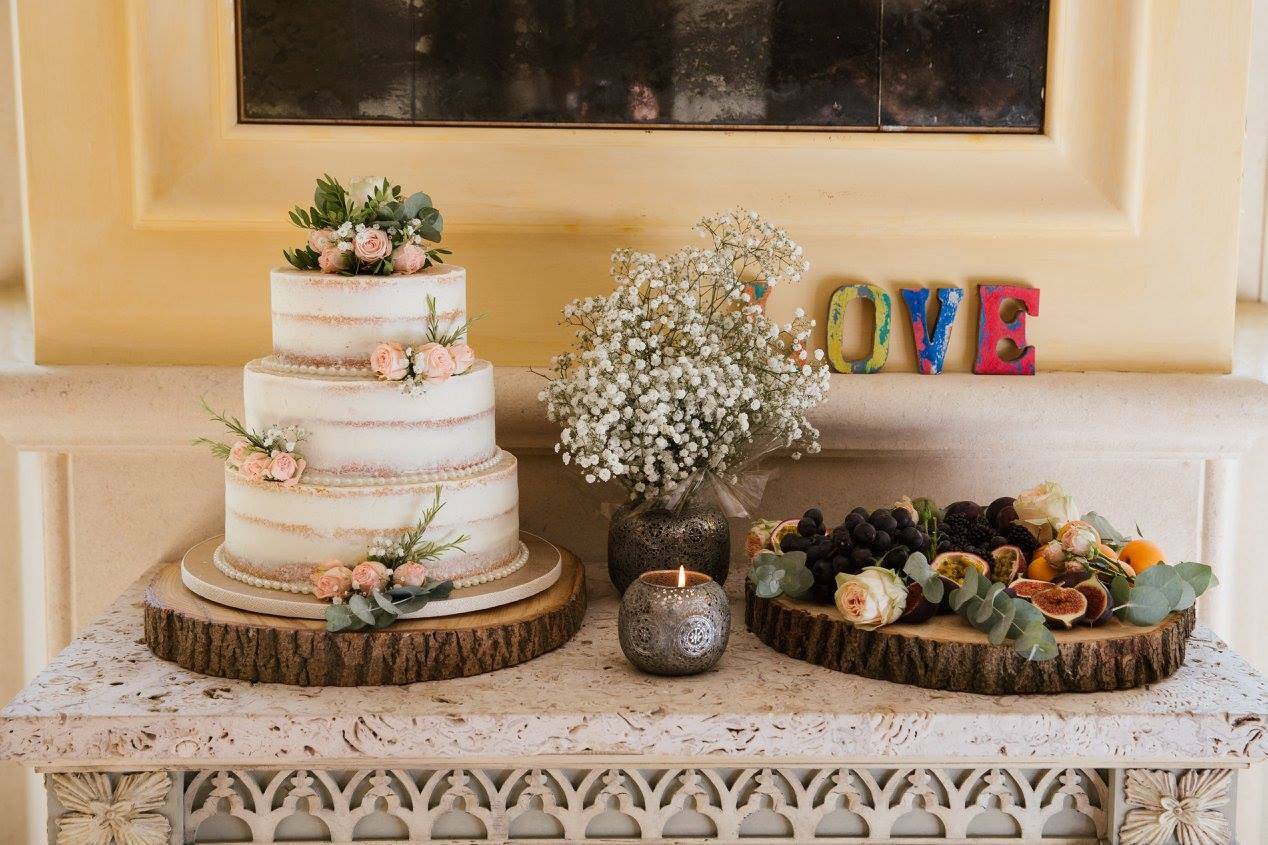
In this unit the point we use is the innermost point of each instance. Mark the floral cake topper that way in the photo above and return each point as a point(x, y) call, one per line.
point(267, 456)
point(367, 229)
point(441, 354)
point(389, 582)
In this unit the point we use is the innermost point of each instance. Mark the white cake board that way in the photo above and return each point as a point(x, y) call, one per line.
point(539, 573)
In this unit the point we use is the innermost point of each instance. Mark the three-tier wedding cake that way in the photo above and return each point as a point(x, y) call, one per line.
point(374, 454)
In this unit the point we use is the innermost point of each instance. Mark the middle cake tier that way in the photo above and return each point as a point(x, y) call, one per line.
point(362, 428)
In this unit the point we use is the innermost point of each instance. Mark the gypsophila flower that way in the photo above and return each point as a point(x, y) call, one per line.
point(676, 373)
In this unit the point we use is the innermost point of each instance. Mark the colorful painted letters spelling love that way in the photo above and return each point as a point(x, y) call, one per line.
point(931, 344)
point(931, 347)
point(843, 296)
point(992, 328)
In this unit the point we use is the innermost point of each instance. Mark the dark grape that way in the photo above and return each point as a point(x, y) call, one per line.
point(864, 533)
point(862, 512)
point(877, 514)
point(902, 517)
point(794, 543)
point(807, 527)
point(895, 558)
point(910, 537)
point(841, 533)
point(887, 524)
point(852, 521)
point(881, 542)
point(861, 556)
point(815, 515)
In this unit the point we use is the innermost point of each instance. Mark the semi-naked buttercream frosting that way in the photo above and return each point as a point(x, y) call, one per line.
point(376, 452)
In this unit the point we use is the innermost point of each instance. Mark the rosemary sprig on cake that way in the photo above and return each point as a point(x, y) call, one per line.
point(410, 545)
point(267, 456)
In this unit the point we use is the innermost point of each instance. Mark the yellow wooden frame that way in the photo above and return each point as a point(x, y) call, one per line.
point(130, 131)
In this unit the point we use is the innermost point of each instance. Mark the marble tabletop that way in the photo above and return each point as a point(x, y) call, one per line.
point(106, 701)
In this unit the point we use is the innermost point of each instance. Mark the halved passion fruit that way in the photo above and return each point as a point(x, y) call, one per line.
point(953, 565)
point(784, 529)
point(1007, 564)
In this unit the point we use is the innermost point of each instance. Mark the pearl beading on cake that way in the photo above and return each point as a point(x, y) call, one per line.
point(276, 365)
point(321, 479)
point(228, 569)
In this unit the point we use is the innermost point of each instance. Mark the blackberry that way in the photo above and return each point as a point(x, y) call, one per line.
point(965, 531)
point(1017, 535)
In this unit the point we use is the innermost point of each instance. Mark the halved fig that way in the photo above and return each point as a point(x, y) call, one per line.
point(997, 507)
point(1061, 606)
point(1007, 563)
point(919, 609)
point(1027, 588)
point(1100, 607)
point(787, 528)
point(972, 510)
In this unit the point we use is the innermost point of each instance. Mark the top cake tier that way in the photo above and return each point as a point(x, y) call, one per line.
point(325, 321)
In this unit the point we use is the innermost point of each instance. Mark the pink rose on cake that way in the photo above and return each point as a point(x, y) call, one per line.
point(372, 245)
point(433, 362)
point(255, 467)
point(463, 357)
point(238, 453)
point(408, 258)
point(332, 260)
point(389, 362)
point(332, 580)
point(369, 575)
point(285, 467)
point(409, 574)
point(320, 240)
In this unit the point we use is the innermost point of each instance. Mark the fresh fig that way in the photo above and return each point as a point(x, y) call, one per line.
point(1006, 517)
point(1061, 606)
point(994, 508)
point(972, 510)
point(1028, 588)
point(919, 609)
point(1074, 574)
point(1100, 607)
point(787, 528)
point(1007, 563)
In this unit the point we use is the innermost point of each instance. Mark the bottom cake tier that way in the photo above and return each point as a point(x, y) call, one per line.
point(275, 535)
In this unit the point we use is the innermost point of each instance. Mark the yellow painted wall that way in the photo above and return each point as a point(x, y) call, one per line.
point(154, 219)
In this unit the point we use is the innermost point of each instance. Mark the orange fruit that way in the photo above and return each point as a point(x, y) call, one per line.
point(1141, 554)
point(1040, 569)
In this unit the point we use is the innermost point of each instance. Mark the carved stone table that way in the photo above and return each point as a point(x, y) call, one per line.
point(577, 746)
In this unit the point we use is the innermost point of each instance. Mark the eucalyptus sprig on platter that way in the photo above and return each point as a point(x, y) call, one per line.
point(1160, 590)
point(774, 574)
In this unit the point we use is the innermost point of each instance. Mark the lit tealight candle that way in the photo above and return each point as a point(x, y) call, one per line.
point(674, 623)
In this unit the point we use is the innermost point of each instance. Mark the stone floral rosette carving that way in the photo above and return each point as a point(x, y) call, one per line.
point(98, 813)
point(1188, 810)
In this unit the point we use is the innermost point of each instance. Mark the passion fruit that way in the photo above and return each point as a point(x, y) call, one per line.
point(1100, 608)
point(1007, 564)
point(1061, 606)
point(1027, 588)
point(787, 528)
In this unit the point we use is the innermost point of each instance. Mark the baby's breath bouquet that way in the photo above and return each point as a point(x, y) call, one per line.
point(679, 379)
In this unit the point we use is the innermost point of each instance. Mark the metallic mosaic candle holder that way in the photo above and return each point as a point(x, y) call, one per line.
point(639, 540)
point(667, 629)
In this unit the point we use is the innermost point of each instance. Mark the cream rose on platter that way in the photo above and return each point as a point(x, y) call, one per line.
point(372, 244)
point(1043, 509)
point(463, 357)
point(331, 580)
point(389, 362)
point(369, 575)
point(408, 259)
point(433, 362)
point(874, 597)
point(409, 574)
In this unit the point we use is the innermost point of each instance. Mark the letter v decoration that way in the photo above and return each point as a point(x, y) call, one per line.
point(841, 298)
point(992, 328)
point(931, 346)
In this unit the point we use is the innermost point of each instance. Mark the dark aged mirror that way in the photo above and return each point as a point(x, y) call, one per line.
point(828, 64)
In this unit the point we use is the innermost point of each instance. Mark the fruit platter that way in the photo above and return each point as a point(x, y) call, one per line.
point(1026, 594)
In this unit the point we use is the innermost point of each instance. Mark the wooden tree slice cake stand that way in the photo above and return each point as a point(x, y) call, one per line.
point(945, 653)
point(211, 638)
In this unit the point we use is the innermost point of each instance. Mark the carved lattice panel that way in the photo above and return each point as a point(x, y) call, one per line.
point(797, 804)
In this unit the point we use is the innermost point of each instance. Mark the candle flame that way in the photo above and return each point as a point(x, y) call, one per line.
point(682, 575)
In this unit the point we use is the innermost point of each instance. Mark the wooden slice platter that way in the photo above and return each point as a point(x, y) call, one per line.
point(945, 653)
point(213, 639)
